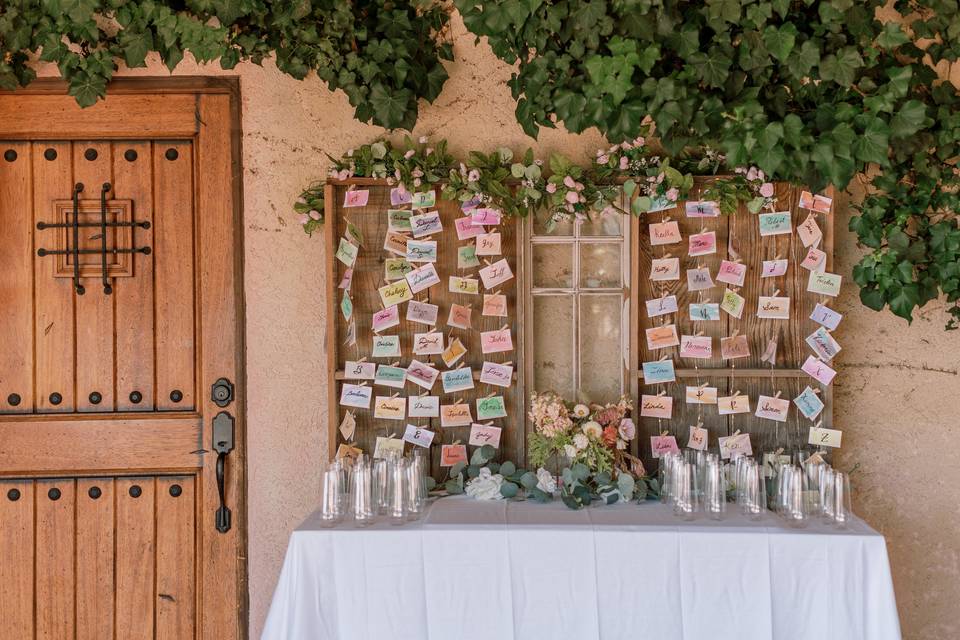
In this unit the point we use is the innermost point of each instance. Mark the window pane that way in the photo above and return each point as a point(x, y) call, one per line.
point(553, 266)
point(601, 359)
point(553, 344)
point(600, 265)
point(541, 226)
point(602, 224)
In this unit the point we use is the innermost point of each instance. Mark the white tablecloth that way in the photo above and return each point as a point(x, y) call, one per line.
point(525, 571)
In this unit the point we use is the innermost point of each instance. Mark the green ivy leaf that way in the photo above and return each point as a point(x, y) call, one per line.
point(873, 143)
point(712, 68)
point(903, 300)
point(841, 68)
point(911, 118)
point(780, 41)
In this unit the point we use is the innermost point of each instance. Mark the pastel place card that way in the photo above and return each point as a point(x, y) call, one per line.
point(467, 257)
point(384, 446)
point(496, 341)
point(423, 406)
point(701, 244)
point(495, 304)
point(774, 268)
point(661, 203)
point(389, 408)
point(661, 306)
point(488, 244)
point(347, 279)
point(772, 408)
point(359, 370)
point(457, 380)
point(825, 437)
point(399, 196)
point(732, 303)
point(347, 252)
point(485, 216)
point(662, 233)
point(396, 269)
point(809, 231)
point(491, 408)
point(662, 269)
point(423, 277)
point(469, 286)
point(396, 243)
point(423, 199)
point(699, 438)
point(460, 316)
point(662, 337)
point(346, 306)
point(701, 209)
point(809, 404)
point(454, 351)
point(774, 224)
point(353, 233)
point(481, 434)
point(466, 229)
point(422, 312)
point(827, 284)
point(815, 260)
point(399, 220)
point(418, 435)
point(699, 279)
point(823, 344)
point(422, 374)
point(499, 375)
point(351, 338)
point(355, 395)
point(704, 311)
point(496, 274)
point(386, 347)
point(356, 198)
point(734, 446)
point(662, 445)
point(390, 376)
point(658, 371)
point(825, 316)
point(348, 426)
point(656, 406)
point(451, 454)
point(386, 318)
point(774, 307)
point(818, 370)
point(455, 415)
point(701, 395)
point(428, 344)
point(818, 203)
point(699, 347)
point(730, 405)
point(734, 347)
point(732, 272)
point(770, 352)
point(426, 224)
point(422, 250)
point(395, 293)
point(470, 204)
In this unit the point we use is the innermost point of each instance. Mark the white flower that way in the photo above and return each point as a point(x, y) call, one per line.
point(545, 481)
point(485, 486)
point(621, 444)
point(580, 441)
point(593, 429)
point(570, 451)
point(627, 429)
point(581, 411)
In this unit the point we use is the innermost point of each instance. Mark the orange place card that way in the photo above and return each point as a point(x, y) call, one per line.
point(656, 406)
point(459, 316)
point(454, 351)
point(455, 415)
point(662, 337)
point(347, 451)
point(495, 304)
point(451, 454)
point(701, 395)
point(665, 233)
point(388, 408)
point(820, 204)
point(699, 438)
point(396, 243)
point(733, 348)
point(729, 405)
point(809, 231)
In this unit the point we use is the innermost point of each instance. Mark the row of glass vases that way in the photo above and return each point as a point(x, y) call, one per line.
point(364, 490)
point(695, 482)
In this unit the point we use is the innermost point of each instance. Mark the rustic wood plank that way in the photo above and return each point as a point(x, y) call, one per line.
point(95, 557)
point(135, 561)
point(16, 560)
point(133, 180)
point(16, 280)
point(55, 560)
point(54, 298)
point(176, 592)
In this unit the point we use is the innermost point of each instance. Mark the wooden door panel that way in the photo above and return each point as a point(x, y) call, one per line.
point(54, 559)
point(135, 542)
point(176, 558)
point(16, 558)
point(95, 557)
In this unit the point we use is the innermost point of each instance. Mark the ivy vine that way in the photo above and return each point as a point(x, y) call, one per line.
point(384, 54)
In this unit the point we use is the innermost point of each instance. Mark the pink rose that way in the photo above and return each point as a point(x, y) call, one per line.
point(303, 218)
point(409, 154)
point(551, 188)
point(416, 182)
point(343, 175)
point(573, 197)
point(401, 188)
point(752, 174)
point(623, 163)
point(571, 184)
point(640, 141)
point(766, 189)
point(604, 159)
point(673, 194)
point(315, 214)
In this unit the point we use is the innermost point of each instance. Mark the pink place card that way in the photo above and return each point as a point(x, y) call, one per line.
point(815, 260)
point(347, 279)
point(662, 269)
point(451, 454)
point(485, 217)
point(496, 341)
point(818, 203)
point(665, 233)
point(701, 244)
point(499, 375)
point(656, 406)
point(496, 274)
point(481, 434)
point(356, 198)
point(466, 229)
point(399, 196)
point(662, 445)
point(819, 370)
point(809, 231)
point(700, 347)
point(772, 408)
point(735, 347)
point(699, 279)
point(774, 268)
point(732, 272)
point(386, 318)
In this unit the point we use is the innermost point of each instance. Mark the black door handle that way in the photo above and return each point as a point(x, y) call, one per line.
point(222, 444)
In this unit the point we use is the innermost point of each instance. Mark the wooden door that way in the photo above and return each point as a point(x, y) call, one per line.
point(120, 308)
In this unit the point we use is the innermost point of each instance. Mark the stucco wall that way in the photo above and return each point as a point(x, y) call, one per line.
point(896, 395)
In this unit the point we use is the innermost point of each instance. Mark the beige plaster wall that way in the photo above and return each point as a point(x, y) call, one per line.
point(896, 396)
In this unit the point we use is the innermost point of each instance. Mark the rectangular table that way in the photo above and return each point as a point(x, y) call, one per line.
point(502, 570)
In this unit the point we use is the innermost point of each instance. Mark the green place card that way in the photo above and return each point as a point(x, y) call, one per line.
point(396, 269)
point(398, 220)
point(490, 408)
point(424, 199)
point(467, 257)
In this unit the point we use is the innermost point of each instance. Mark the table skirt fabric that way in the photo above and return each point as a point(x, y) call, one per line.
point(499, 570)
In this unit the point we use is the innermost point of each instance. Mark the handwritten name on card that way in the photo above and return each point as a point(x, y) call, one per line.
point(396, 243)
point(386, 347)
point(346, 306)
point(701, 209)
point(663, 269)
point(491, 408)
point(496, 274)
point(485, 216)
point(704, 311)
point(499, 375)
point(469, 286)
point(423, 199)
point(825, 437)
point(818, 370)
point(454, 351)
point(398, 220)
point(395, 293)
point(496, 341)
point(823, 344)
point(384, 446)
point(815, 260)
point(661, 306)
point(809, 404)
point(359, 370)
point(426, 224)
point(423, 406)
point(457, 380)
point(732, 303)
point(662, 233)
point(422, 312)
point(422, 374)
point(735, 347)
point(701, 395)
point(777, 308)
point(346, 280)
point(809, 231)
point(488, 244)
point(495, 305)
point(662, 337)
point(347, 252)
point(735, 446)
point(390, 376)
point(386, 318)
point(428, 344)
point(467, 257)
point(459, 316)
point(699, 279)
point(396, 269)
point(421, 250)
point(455, 415)
point(662, 445)
point(482, 434)
point(701, 244)
point(774, 224)
point(772, 408)
point(658, 371)
point(387, 408)
point(730, 405)
point(700, 347)
point(699, 438)
point(656, 406)
point(423, 278)
point(418, 436)
point(661, 203)
point(818, 203)
point(354, 395)
point(825, 316)
point(451, 454)
point(356, 198)
point(774, 268)
point(732, 272)
point(466, 229)
point(827, 284)
point(399, 196)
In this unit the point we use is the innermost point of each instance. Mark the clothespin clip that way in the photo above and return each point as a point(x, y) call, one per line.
point(395, 364)
point(736, 393)
point(698, 334)
point(662, 393)
point(488, 424)
point(779, 393)
point(702, 386)
point(666, 255)
point(699, 424)
point(779, 451)
point(665, 219)
point(735, 333)
point(457, 401)
point(496, 292)
point(504, 327)
point(816, 391)
point(395, 394)
point(819, 424)
point(363, 384)
point(777, 257)
point(736, 433)
point(424, 393)
point(490, 395)
point(664, 434)
point(664, 358)
point(456, 442)
point(486, 262)
point(776, 293)
point(508, 363)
